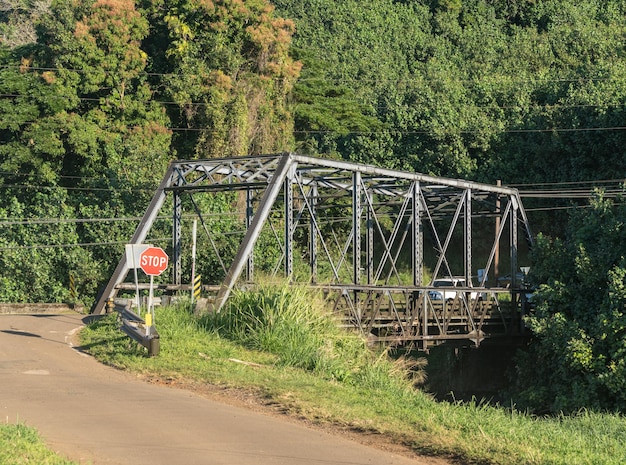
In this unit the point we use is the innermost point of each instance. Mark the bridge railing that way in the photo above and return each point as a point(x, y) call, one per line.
point(409, 316)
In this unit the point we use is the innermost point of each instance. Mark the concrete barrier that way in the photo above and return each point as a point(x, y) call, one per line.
point(40, 308)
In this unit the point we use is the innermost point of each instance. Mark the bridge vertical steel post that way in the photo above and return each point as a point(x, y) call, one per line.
point(312, 232)
point(249, 215)
point(514, 219)
point(424, 320)
point(369, 245)
point(496, 264)
point(417, 258)
point(356, 227)
point(356, 238)
point(177, 239)
point(468, 237)
point(288, 194)
point(515, 296)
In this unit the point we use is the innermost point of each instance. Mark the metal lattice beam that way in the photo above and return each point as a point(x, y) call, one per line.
point(364, 224)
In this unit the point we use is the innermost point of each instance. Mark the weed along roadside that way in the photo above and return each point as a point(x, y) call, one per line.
point(21, 444)
point(297, 361)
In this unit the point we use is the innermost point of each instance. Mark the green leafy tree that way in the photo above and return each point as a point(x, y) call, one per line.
point(577, 356)
point(477, 89)
point(80, 120)
point(227, 69)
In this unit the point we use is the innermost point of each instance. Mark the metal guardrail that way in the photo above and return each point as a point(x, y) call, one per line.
point(136, 328)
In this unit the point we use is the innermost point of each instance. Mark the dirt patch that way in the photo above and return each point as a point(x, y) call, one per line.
point(255, 401)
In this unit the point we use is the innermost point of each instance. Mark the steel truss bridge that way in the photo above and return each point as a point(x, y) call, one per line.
point(373, 240)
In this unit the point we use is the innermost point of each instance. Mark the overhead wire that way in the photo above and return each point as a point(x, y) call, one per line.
point(69, 188)
point(544, 193)
point(33, 221)
point(84, 244)
point(535, 106)
point(566, 183)
point(520, 78)
point(405, 132)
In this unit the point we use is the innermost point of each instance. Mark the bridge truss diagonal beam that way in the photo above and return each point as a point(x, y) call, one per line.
point(375, 241)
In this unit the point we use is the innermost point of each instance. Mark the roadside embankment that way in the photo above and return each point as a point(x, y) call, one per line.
point(40, 308)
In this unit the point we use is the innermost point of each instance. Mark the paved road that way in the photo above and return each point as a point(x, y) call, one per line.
point(98, 415)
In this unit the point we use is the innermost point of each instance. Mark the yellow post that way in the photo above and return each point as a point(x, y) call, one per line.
point(197, 285)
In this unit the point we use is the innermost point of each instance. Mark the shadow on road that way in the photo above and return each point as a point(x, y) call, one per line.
point(19, 333)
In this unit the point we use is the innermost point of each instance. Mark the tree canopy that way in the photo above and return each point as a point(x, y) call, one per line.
point(527, 91)
point(577, 359)
point(94, 108)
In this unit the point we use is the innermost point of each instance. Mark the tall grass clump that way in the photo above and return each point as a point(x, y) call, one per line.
point(293, 323)
point(20, 444)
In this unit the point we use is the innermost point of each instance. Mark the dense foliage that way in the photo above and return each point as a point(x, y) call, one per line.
point(224, 68)
point(522, 91)
point(80, 136)
point(92, 112)
point(580, 320)
point(96, 96)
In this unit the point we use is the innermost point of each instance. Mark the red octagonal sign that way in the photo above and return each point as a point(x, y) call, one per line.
point(153, 261)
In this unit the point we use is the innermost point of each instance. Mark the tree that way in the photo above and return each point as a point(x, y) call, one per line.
point(80, 122)
point(227, 69)
point(577, 356)
point(17, 21)
point(475, 89)
point(87, 109)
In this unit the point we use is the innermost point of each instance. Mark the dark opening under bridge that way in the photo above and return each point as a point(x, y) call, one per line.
point(377, 242)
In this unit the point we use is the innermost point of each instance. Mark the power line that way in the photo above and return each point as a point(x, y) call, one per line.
point(421, 132)
point(105, 244)
point(418, 79)
point(34, 221)
point(611, 187)
point(536, 106)
point(147, 188)
point(571, 194)
point(84, 244)
point(409, 132)
point(82, 189)
point(24, 222)
point(569, 183)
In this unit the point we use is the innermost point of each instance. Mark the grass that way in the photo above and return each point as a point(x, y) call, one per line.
point(297, 358)
point(22, 445)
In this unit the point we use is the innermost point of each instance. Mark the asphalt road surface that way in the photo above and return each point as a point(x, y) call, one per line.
point(97, 415)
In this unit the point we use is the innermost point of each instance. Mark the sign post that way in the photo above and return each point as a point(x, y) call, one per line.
point(194, 233)
point(133, 251)
point(153, 261)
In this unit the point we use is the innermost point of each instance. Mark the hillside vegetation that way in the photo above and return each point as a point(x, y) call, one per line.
point(96, 96)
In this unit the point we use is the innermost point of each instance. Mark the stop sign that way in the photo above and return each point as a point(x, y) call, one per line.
point(153, 261)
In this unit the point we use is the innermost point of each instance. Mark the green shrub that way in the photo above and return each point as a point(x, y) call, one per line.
point(579, 323)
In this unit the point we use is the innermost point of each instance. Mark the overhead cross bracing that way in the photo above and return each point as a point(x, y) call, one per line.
point(376, 242)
